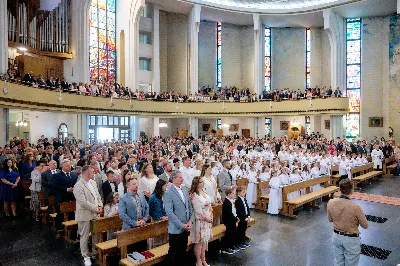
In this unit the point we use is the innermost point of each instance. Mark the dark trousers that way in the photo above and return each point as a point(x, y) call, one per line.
point(241, 231)
point(177, 249)
point(60, 217)
point(230, 237)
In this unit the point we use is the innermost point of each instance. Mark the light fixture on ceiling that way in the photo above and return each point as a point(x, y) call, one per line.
point(22, 121)
point(225, 125)
point(163, 124)
point(23, 49)
point(111, 104)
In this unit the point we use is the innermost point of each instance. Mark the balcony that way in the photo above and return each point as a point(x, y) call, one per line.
point(24, 97)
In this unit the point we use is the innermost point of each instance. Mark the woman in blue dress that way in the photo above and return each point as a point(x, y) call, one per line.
point(10, 178)
point(27, 167)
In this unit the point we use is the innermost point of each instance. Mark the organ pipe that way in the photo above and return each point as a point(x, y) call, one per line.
point(40, 29)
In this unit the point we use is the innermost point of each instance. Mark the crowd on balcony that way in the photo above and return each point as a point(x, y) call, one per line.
point(104, 88)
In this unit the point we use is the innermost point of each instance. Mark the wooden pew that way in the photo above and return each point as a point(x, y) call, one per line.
point(242, 182)
point(159, 228)
point(262, 200)
point(288, 206)
point(388, 165)
point(69, 226)
point(335, 174)
point(366, 172)
point(98, 227)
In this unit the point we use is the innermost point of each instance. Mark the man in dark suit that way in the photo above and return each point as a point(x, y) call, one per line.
point(132, 164)
point(243, 213)
point(109, 185)
point(63, 186)
point(47, 180)
point(28, 78)
point(387, 150)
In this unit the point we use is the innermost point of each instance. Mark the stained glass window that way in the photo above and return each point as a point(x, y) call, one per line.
point(219, 54)
point(353, 76)
point(219, 124)
point(308, 58)
point(102, 48)
point(308, 125)
point(268, 127)
point(267, 55)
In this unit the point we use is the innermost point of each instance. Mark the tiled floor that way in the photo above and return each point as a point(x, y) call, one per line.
point(276, 240)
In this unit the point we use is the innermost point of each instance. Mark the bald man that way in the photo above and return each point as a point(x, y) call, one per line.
point(47, 179)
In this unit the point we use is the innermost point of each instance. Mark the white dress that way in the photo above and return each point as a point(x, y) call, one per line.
point(377, 156)
point(148, 184)
point(294, 178)
point(275, 196)
point(251, 195)
point(315, 174)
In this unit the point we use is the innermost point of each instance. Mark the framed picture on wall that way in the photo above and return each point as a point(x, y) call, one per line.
point(327, 124)
point(206, 127)
point(234, 127)
point(284, 125)
point(375, 122)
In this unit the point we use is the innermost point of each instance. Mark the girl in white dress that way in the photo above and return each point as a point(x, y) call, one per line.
point(315, 173)
point(265, 173)
point(251, 195)
point(377, 156)
point(111, 209)
point(305, 175)
point(275, 195)
point(294, 178)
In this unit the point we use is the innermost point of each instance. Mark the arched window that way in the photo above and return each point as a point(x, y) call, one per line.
point(102, 49)
point(62, 132)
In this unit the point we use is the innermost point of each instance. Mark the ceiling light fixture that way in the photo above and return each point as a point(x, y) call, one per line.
point(23, 49)
point(22, 121)
point(163, 124)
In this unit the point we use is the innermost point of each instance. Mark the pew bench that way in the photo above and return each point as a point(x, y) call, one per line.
point(363, 173)
point(288, 206)
point(262, 200)
point(70, 227)
point(98, 227)
point(388, 165)
point(158, 228)
point(366, 176)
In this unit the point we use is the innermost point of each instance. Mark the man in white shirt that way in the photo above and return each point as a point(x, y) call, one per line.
point(188, 173)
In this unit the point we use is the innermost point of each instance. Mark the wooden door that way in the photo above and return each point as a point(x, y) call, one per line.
point(246, 133)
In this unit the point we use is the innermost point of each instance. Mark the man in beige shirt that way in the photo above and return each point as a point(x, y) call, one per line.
point(346, 216)
point(88, 207)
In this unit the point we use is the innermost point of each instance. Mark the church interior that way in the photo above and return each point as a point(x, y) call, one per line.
point(302, 92)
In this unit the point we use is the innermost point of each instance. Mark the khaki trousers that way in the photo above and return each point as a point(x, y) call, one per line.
point(83, 231)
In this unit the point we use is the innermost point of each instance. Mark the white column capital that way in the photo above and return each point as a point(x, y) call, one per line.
point(258, 54)
point(398, 6)
point(257, 22)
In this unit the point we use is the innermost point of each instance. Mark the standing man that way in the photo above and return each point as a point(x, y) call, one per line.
point(47, 180)
point(63, 185)
point(88, 207)
point(133, 208)
point(179, 212)
point(225, 178)
point(346, 216)
point(187, 172)
point(167, 172)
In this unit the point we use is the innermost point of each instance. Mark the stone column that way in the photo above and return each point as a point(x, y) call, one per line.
point(132, 44)
point(338, 128)
point(194, 126)
point(193, 44)
point(77, 69)
point(3, 38)
point(335, 27)
point(156, 49)
point(258, 54)
point(156, 126)
point(4, 126)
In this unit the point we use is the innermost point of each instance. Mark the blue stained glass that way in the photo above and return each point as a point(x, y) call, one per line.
point(219, 54)
point(353, 76)
point(267, 55)
point(111, 6)
point(353, 31)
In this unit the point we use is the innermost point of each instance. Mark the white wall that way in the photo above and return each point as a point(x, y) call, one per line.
point(207, 53)
point(288, 58)
point(277, 132)
point(374, 52)
point(146, 125)
point(247, 57)
point(231, 55)
point(325, 132)
point(173, 52)
point(325, 60)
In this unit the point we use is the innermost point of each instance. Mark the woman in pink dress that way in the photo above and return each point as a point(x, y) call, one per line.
point(202, 220)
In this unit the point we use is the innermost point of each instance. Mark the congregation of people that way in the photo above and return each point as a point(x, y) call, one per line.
point(105, 88)
point(173, 179)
